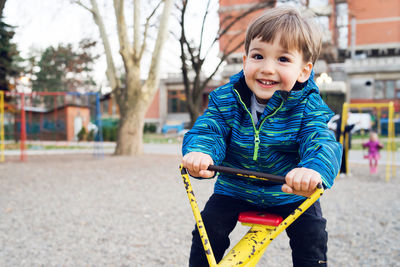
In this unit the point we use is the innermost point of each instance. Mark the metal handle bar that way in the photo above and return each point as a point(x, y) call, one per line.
point(247, 173)
point(251, 174)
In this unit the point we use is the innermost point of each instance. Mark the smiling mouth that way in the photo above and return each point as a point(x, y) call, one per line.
point(267, 82)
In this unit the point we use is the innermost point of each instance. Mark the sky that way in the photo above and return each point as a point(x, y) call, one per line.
point(41, 23)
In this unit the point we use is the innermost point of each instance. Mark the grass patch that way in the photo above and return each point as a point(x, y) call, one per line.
point(17, 146)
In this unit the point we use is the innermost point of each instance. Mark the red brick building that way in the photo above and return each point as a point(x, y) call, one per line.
point(373, 63)
point(61, 124)
point(361, 45)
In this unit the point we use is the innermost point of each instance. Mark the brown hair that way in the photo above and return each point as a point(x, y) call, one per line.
point(296, 31)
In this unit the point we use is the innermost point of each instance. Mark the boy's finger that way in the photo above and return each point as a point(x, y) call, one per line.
point(297, 181)
point(313, 184)
point(287, 189)
point(206, 174)
point(203, 169)
point(204, 163)
point(187, 162)
point(305, 183)
point(289, 177)
point(196, 165)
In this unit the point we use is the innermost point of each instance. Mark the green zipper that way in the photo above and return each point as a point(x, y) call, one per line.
point(256, 131)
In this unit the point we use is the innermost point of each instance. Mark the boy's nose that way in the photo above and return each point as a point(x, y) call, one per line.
point(268, 68)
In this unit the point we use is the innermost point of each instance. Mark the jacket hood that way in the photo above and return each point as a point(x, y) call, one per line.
point(292, 98)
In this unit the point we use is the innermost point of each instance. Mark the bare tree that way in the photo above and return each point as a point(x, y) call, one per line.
point(191, 53)
point(133, 96)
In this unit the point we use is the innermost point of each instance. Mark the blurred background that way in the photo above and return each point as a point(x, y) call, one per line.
point(64, 71)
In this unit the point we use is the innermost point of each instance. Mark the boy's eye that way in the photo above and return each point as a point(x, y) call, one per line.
point(257, 56)
point(283, 59)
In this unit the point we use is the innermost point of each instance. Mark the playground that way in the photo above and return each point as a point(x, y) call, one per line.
point(80, 210)
point(67, 201)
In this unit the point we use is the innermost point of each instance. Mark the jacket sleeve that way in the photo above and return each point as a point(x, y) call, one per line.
point(208, 134)
point(318, 147)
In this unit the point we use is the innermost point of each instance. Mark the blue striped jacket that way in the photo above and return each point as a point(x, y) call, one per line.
point(291, 133)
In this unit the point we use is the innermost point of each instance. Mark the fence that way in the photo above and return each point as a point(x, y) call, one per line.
point(29, 119)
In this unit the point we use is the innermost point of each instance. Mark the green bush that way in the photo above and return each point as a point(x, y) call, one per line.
point(110, 129)
point(82, 134)
point(150, 128)
point(90, 136)
point(110, 133)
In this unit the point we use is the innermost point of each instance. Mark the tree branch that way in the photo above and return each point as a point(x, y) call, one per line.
point(202, 26)
point(183, 40)
point(79, 3)
point(136, 29)
point(125, 50)
point(146, 27)
point(111, 72)
point(153, 76)
point(223, 58)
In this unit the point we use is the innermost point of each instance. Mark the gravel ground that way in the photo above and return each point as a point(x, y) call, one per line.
point(77, 210)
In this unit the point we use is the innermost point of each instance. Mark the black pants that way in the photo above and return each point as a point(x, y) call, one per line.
point(308, 238)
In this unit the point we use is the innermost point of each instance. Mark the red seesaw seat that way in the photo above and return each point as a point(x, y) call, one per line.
point(257, 217)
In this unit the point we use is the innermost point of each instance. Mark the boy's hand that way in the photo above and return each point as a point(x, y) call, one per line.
point(301, 181)
point(197, 163)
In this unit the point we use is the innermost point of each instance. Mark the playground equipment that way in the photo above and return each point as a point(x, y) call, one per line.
point(264, 229)
point(49, 116)
point(390, 147)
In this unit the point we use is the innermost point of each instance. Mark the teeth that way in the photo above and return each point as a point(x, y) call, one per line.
point(267, 82)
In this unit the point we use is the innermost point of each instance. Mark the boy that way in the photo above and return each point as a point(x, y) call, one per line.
point(269, 118)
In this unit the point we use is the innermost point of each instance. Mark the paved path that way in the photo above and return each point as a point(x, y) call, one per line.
point(357, 156)
point(78, 210)
point(108, 148)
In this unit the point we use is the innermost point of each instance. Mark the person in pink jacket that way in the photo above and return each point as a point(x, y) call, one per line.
point(373, 146)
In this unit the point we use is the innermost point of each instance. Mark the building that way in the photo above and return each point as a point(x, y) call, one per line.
point(372, 60)
point(333, 93)
point(58, 124)
point(361, 48)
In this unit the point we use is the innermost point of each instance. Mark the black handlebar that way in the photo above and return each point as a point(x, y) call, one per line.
point(250, 174)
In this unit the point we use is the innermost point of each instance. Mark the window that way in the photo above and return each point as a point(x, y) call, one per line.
point(397, 85)
point(379, 90)
point(176, 101)
point(387, 89)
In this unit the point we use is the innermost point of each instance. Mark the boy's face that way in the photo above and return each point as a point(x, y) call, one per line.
point(268, 67)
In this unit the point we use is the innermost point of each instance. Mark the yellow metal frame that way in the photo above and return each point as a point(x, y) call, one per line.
point(249, 250)
point(2, 142)
point(390, 159)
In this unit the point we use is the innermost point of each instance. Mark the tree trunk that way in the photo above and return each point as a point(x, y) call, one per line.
point(195, 102)
point(133, 108)
point(194, 114)
point(130, 133)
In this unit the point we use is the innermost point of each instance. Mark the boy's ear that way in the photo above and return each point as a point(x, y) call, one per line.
point(305, 72)
point(244, 60)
